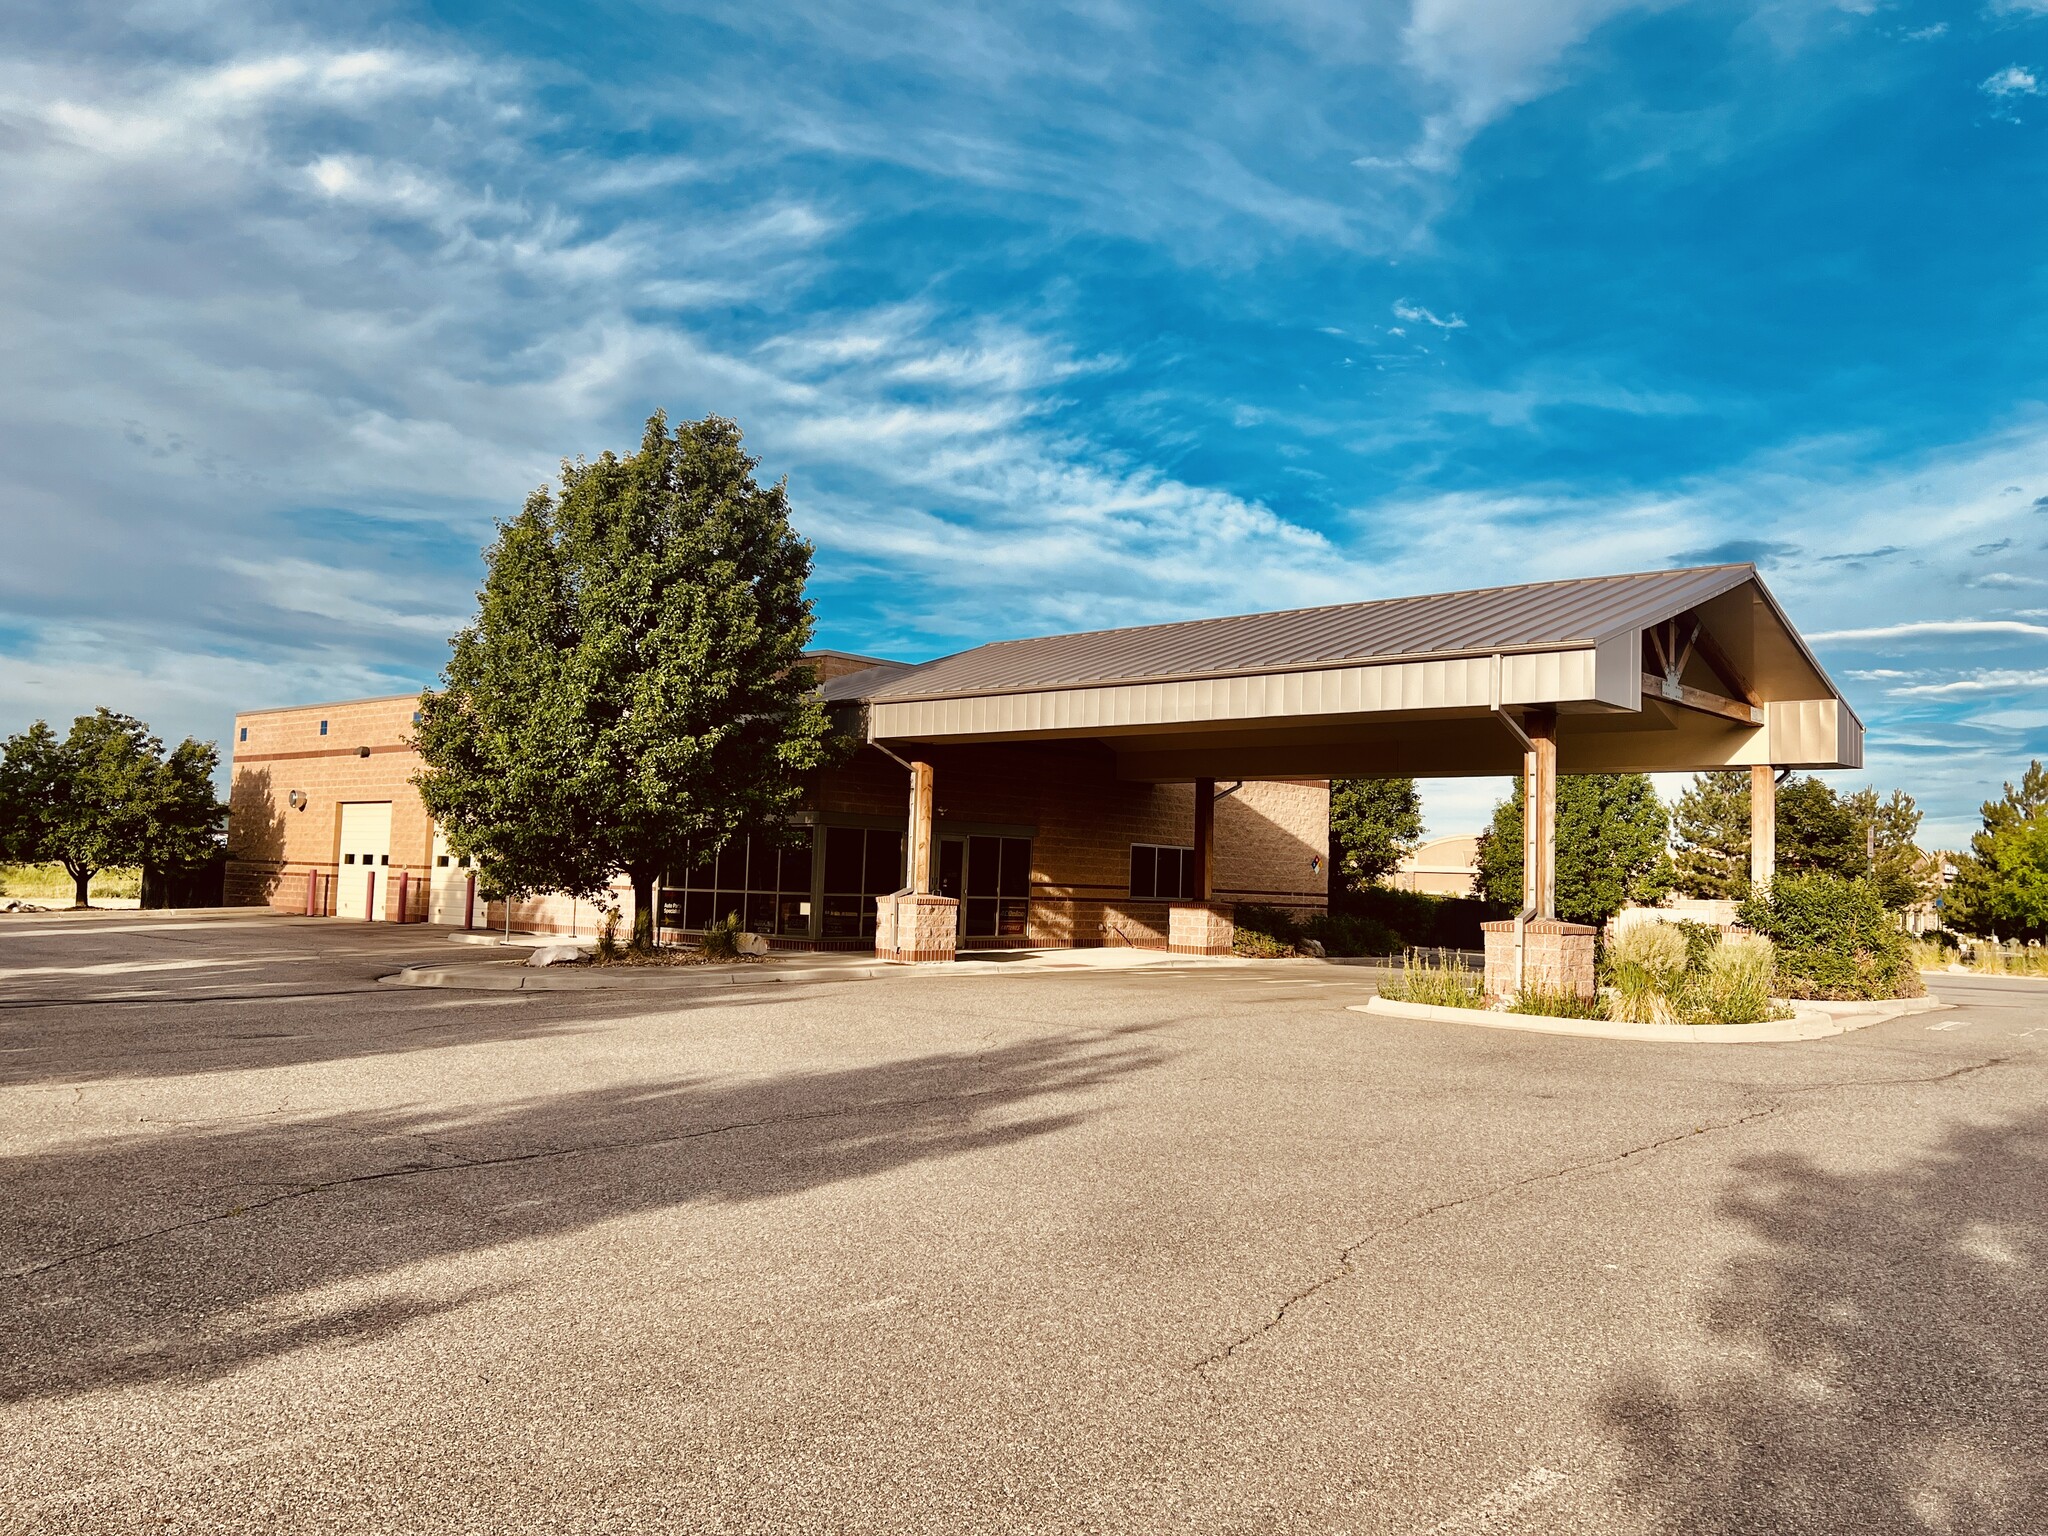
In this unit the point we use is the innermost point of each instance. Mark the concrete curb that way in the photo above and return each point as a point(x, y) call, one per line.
point(2039, 981)
point(503, 977)
point(1810, 1023)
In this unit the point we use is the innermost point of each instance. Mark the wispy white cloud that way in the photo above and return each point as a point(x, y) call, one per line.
point(1415, 314)
point(1933, 628)
point(2005, 680)
point(2013, 80)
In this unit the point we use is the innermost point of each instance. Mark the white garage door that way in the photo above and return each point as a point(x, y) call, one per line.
point(359, 885)
point(448, 893)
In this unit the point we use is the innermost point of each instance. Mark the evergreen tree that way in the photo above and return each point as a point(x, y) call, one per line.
point(1885, 829)
point(2001, 884)
point(107, 797)
point(1817, 834)
point(1710, 829)
point(1610, 846)
point(633, 685)
point(1374, 825)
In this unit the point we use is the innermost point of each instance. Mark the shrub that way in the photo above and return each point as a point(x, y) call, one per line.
point(1557, 1003)
point(1265, 933)
point(1421, 920)
point(1350, 933)
point(721, 941)
point(1734, 985)
point(1646, 965)
point(1834, 939)
point(608, 948)
point(1439, 981)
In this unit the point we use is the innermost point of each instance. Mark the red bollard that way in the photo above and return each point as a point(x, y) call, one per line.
point(404, 889)
point(469, 904)
point(370, 900)
point(312, 892)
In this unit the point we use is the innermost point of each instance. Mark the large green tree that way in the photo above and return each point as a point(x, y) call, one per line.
point(633, 685)
point(1374, 825)
point(107, 796)
point(1710, 832)
point(1610, 846)
point(2001, 884)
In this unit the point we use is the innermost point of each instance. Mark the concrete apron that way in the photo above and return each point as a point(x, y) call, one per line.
point(1812, 1021)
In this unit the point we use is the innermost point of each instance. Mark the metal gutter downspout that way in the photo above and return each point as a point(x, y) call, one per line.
point(1528, 751)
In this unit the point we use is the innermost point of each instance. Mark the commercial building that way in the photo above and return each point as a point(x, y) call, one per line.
point(1443, 866)
point(1130, 785)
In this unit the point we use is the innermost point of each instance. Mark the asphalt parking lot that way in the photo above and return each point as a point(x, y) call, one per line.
point(1173, 1249)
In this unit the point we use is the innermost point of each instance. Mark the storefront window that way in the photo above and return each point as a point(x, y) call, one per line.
point(860, 864)
point(766, 883)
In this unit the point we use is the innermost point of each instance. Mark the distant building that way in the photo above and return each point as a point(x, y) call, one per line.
point(1443, 866)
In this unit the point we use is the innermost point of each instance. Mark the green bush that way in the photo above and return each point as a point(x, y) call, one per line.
point(1834, 939)
point(1352, 934)
point(1439, 981)
point(1265, 933)
point(1420, 920)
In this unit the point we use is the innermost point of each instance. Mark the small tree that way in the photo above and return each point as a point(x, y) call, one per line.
point(2002, 882)
point(1374, 825)
point(107, 797)
point(1610, 846)
point(633, 686)
point(1710, 829)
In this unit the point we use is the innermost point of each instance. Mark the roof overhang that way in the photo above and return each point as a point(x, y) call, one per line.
point(1740, 688)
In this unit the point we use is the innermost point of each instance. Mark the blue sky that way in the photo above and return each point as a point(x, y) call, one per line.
point(1053, 317)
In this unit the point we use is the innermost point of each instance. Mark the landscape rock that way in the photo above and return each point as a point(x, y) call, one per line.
point(751, 943)
point(555, 954)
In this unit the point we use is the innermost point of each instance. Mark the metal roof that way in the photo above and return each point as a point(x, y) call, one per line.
point(850, 687)
point(1537, 616)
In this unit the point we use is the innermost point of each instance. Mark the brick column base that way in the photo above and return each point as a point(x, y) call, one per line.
point(1556, 956)
point(1204, 928)
point(919, 930)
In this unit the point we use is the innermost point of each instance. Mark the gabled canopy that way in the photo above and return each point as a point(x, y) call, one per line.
point(1664, 670)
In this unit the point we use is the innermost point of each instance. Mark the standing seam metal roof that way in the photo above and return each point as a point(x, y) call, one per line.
point(1532, 617)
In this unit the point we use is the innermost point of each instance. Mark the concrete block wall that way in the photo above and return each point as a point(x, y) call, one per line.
point(272, 847)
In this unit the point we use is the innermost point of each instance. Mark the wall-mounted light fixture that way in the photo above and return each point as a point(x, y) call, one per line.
point(297, 798)
point(362, 751)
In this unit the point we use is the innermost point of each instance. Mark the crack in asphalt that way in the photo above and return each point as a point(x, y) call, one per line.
point(1347, 1256)
point(414, 1170)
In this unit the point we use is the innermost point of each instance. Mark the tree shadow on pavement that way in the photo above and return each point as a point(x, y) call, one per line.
point(1896, 1329)
point(67, 1043)
point(189, 1252)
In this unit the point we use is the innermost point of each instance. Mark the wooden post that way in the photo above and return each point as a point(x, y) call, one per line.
point(919, 844)
point(1204, 882)
point(1763, 826)
point(1539, 814)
